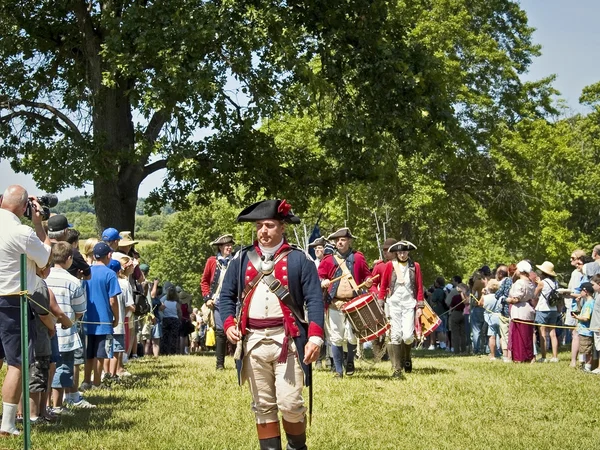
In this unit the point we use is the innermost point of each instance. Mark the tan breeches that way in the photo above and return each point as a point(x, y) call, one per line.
point(274, 387)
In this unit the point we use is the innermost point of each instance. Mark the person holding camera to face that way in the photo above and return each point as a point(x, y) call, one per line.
point(16, 239)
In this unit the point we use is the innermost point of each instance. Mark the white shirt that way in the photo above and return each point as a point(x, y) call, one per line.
point(71, 299)
point(16, 239)
point(542, 304)
point(403, 295)
point(125, 299)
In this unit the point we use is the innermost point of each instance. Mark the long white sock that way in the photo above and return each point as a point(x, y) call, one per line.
point(9, 414)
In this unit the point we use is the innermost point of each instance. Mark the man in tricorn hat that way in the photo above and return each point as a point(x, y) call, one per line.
point(319, 245)
point(377, 274)
point(275, 283)
point(212, 281)
point(402, 284)
point(349, 269)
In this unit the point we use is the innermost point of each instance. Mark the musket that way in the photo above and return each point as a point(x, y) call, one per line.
point(377, 236)
point(239, 346)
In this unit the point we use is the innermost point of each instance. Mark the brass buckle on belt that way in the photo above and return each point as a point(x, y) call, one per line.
point(275, 285)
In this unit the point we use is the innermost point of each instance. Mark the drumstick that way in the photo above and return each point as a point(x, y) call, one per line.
point(361, 285)
point(339, 278)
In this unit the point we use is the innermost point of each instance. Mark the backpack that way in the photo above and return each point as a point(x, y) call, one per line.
point(142, 307)
point(553, 297)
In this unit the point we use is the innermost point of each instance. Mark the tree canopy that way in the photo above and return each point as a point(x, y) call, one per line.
point(113, 91)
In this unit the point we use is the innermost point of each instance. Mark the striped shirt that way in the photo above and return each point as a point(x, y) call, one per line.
point(70, 297)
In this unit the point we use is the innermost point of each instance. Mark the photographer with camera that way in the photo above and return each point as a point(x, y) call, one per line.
point(16, 239)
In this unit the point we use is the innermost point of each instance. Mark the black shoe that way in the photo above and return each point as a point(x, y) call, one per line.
point(296, 442)
point(220, 368)
point(350, 369)
point(408, 366)
point(397, 374)
point(273, 443)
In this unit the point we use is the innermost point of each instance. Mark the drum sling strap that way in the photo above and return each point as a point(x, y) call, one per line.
point(341, 263)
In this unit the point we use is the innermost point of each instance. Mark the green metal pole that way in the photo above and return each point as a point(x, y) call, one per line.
point(25, 356)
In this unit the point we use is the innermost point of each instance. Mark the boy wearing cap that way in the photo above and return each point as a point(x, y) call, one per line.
point(102, 313)
point(586, 335)
point(112, 237)
point(402, 284)
point(57, 228)
point(212, 281)
point(349, 269)
point(277, 283)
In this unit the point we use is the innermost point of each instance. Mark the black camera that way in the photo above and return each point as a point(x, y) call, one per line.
point(46, 201)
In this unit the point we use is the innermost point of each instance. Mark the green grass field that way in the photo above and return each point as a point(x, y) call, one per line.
point(181, 402)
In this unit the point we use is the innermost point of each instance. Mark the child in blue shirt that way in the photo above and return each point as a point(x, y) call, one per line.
point(586, 335)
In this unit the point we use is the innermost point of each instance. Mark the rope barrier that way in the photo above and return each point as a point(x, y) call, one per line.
point(75, 322)
point(532, 323)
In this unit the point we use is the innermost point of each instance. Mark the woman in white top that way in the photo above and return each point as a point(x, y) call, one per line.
point(546, 312)
point(574, 282)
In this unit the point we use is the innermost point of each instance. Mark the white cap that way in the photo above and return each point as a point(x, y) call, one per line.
point(524, 266)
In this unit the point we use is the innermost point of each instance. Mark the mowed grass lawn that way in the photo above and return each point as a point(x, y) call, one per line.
point(181, 402)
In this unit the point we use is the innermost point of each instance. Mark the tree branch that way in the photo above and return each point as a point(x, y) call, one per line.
point(90, 39)
point(39, 117)
point(155, 125)
point(10, 103)
point(237, 107)
point(154, 167)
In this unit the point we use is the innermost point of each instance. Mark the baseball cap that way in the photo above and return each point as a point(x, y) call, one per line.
point(115, 265)
point(144, 267)
point(58, 222)
point(111, 234)
point(101, 249)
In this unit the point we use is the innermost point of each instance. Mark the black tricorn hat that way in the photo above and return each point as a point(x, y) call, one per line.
point(402, 246)
point(222, 240)
point(318, 241)
point(342, 232)
point(269, 210)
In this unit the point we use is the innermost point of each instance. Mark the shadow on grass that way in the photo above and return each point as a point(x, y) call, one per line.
point(431, 371)
point(433, 354)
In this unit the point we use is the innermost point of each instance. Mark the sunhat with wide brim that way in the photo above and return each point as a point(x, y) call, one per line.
point(548, 268)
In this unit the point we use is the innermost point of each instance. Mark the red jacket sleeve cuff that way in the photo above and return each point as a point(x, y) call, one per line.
point(229, 322)
point(315, 330)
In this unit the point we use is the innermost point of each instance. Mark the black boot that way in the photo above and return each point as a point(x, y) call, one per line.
point(407, 359)
point(273, 443)
point(296, 441)
point(221, 348)
point(397, 360)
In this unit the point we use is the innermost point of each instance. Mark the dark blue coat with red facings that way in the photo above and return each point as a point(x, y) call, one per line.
point(304, 286)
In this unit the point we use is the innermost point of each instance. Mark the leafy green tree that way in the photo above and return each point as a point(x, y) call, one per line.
point(184, 246)
point(113, 91)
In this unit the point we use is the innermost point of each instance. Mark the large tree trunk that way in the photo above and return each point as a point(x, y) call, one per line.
point(120, 174)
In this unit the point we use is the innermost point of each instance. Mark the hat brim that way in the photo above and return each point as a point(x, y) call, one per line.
point(401, 247)
point(547, 272)
point(125, 243)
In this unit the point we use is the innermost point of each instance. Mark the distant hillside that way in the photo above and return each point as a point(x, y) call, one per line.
point(83, 204)
point(81, 214)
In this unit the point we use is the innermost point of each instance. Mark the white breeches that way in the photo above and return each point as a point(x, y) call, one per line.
point(402, 320)
point(338, 328)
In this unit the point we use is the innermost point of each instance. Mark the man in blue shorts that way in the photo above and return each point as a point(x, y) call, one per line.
point(102, 314)
point(16, 239)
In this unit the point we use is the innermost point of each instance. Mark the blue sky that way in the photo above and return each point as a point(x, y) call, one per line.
point(568, 32)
